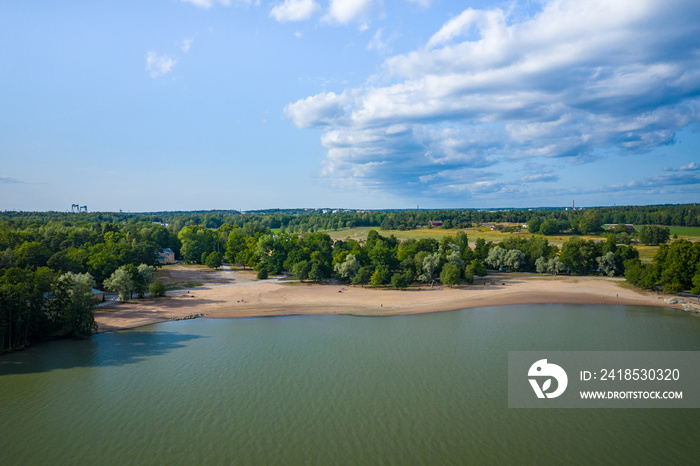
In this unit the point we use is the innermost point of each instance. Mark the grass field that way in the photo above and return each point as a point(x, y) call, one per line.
point(690, 232)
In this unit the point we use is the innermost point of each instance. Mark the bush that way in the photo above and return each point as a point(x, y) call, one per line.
point(262, 274)
point(157, 289)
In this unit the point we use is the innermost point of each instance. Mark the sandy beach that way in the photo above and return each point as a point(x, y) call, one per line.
point(234, 293)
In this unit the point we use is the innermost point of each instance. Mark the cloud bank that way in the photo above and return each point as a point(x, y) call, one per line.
point(574, 80)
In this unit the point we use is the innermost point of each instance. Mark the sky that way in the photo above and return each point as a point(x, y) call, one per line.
point(363, 104)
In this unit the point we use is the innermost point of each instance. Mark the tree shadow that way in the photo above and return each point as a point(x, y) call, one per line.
point(102, 350)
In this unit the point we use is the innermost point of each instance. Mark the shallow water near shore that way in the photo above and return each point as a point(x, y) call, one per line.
point(420, 389)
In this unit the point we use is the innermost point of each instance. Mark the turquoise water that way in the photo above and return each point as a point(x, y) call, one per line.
point(422, 389)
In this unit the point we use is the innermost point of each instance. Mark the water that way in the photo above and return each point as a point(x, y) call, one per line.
point(424, 389)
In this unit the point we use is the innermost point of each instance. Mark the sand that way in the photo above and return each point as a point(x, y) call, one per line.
point(235, 293)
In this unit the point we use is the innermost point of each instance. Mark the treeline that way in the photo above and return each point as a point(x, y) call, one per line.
point(301, 221)
point(675, 267)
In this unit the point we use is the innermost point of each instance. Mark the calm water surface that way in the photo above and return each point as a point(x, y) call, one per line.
point(424, 389)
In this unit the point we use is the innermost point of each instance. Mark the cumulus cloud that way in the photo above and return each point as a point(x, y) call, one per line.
point(572, 80)
point(159, 65)
point(294, 10)
point(347, 11)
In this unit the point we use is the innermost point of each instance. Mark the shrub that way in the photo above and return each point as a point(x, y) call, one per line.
point(157, 289)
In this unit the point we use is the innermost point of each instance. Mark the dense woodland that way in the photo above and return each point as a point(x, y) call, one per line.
point(49, 262)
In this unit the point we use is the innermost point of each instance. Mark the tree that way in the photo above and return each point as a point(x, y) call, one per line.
point(348, 268)
point(301, 269)
point(195, 241)
point(514, 259)
point(402, 280)
point(606, 264)
point(122, 282)
point(236, 246)
point(554, 265)
point(541, 265)
point(590, 222)
point(363, 276)
point(496, 257)
point(476, 267)
point(157, 289)
point(75, 303)
point(142, 278)
point(431, 264)
point(534, 224)
point(450, 275)
point(316, 273)
point(653, 235)
point(379, 277)
point(549, 227)
point(213, 260)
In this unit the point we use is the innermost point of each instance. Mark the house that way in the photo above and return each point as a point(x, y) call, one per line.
point(165, 256)
point(629, 227)
point(435, 223)
point(98, 295)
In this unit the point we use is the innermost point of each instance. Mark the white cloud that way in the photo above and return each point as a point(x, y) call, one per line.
point(298, 34)
point(690, 167)
point(294, 10)
point(573, 79)
point(159, 65)
point(186, 44)
point(347, 11)
point(381, 45)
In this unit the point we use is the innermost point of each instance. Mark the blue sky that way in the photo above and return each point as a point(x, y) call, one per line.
point(244, 104)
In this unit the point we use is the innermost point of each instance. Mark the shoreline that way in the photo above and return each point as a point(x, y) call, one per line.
point(275, 298)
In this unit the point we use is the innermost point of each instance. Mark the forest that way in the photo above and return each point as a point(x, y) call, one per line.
point(51, 261)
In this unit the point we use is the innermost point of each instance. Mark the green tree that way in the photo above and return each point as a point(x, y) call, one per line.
point(402, 280)
point(213, 260)
point(157, 288)
point(496, 257)
point(534, 224)
point(348, 268)
point(142, 278)
point(380, 277)
point(301, 269)
point(75, 303)
point(431, 266)
point(122, 282)
point(607, 264)
point(450, 275)
point(652, 235)
point(514, 259)
point(363, 276)
point(549, 227)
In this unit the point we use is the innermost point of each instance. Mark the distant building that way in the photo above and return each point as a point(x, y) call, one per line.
point(98, 295)
point(165, 256)
point(435, 223)
point(629, 227)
